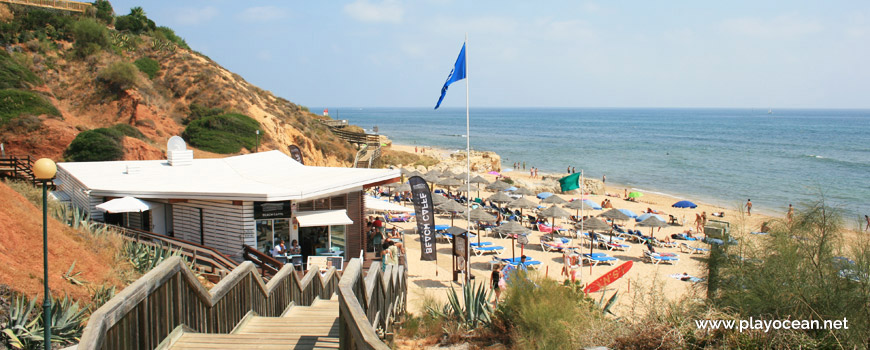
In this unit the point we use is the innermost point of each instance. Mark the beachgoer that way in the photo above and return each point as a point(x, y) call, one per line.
point(394, 253)
point(280, 250)
point(295, 249)
point(749, 207)
point(603, 178)
point(868, 222)
point(698, 221)
point(532, 172)
point(415, 149)
point(703, 219)
point(385, 255)
point(790, 214)
point(524, 165)
point(626, 193)
point(568, 171)
point(573, 170)
point(497, 283)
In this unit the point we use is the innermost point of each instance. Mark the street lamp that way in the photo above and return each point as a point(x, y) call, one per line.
point(258, 142)
point(44, 170)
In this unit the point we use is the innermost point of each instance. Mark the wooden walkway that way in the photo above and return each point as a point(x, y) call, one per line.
point(303, 327)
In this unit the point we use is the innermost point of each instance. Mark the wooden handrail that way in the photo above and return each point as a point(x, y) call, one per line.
point(144, 313)
point(370, 305)
point(202, 256)
point(74, 6)
point(267, 264)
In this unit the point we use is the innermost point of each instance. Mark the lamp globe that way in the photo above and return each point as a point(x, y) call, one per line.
point(44, 169)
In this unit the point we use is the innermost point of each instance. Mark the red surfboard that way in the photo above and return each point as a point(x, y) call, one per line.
point(608, 278)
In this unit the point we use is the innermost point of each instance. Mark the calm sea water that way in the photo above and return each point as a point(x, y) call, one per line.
point(719, 156)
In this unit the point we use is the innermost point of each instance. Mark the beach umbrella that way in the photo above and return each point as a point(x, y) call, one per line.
point(498, 185)
point(125, 205)
point(438, 199)
point(627, 212)
point(577, 204)
point(452, 207)
point(652, 222)
point(407, 171)
point(593, 224)
point(554, 200)
point(592, 204)
point(522, 203)
point(477, 179)
point(461, 176)
point(635, 195)
point(555, 212)
point(435, 172)
point(500, 197)
point(478, 215)
point(544, 195)
point(614, 214)
point(494, 173)
point(449, 182)
point(513, 229)
point(375, 204)
point(405, 187)
point(448, 173)
point(685, 204)
point(431, 178)
point(522, 191)
point(647, 216)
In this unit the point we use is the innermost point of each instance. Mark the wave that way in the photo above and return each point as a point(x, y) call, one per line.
point(837, 161)
point(454, 135)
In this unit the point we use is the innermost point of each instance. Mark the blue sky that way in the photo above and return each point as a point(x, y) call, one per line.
point(391, 53)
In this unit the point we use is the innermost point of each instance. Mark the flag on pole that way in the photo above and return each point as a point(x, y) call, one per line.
point(456, 74)
point(570, 182)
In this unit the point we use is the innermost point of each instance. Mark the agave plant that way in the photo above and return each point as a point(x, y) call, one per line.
point(72, 277)
point(100, 296)
point(17, 331)
point(145, 257)
point(475, 309)
point(605, 307)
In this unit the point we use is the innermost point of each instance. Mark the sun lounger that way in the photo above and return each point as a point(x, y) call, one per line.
point(528, 263)
point(550, 246)
point(488, 249)
point(614, 246)
point(598, 258)
point(544, 228)
point(481, 244)
point(656, 258)
point(683, 237)
point(693, 250)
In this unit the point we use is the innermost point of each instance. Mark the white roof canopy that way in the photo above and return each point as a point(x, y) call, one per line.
point(323, 218)
point(375, 204)
point(124, 205)
point(265, 176)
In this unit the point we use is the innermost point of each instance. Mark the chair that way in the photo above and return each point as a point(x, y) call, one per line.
point(544, 228)
point(297, 262)
point(481, 244)
point(598, 258)
point(321, 251)
point(488, 249)
point(656, 258)
point(692, 250)
point(528, 263)
point(614, 246)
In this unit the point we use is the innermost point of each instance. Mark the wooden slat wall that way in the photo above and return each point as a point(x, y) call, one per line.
point(134, 220)
point(78, 198)
point(225, 224)
point(355, 236)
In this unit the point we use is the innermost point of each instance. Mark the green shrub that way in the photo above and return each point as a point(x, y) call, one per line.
point(104, 11)
point(14, 103)
point(226, 133)
point(90, 37)
point(119, 76)
point(128, 130)
point(13, 74)
point(148, 66)
point(51, 23)
point(136, 22)
point(95, 146)
point(797, 273)
point(169, 34)
point(198, 111)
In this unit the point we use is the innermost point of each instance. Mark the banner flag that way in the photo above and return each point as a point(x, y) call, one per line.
point(425, 218)
point(570, 182)
point(296, 153)
point(456, 74)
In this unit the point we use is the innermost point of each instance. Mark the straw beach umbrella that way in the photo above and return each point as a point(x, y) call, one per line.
point(652, 222)
point(512, 229)
point(461, 176)
point(438, 199)
point(500, 197)
point(452, 207)
point(522, 203)
point(555, 212)
point(554, 200)
point(478, 215)
point(478, 180)
point(614, 214)
point(577, 205)
point(449, 182)
point(522, 191)
point(498, 185)
point(405, 187)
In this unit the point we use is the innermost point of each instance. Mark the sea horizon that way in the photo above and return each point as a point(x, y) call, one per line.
point(720, 156)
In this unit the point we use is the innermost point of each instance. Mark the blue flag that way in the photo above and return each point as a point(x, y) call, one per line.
point(456, 74)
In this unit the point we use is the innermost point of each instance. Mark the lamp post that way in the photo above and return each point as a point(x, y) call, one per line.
point(44, 170)
point(258, 142)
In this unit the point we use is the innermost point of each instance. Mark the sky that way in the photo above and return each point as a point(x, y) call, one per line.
point(392, 53)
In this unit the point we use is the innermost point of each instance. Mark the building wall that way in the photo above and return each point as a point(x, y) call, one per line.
point(225, 225)
point(355, 235)
point(76, 192)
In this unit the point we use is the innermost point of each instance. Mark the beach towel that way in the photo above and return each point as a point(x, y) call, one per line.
point(686, 278)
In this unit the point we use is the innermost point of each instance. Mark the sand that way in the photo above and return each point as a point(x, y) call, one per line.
point(642, 276)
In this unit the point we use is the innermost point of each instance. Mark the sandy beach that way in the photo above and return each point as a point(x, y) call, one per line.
point(643, 276)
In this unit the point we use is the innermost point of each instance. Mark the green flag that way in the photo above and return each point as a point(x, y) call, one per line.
point(570, 182)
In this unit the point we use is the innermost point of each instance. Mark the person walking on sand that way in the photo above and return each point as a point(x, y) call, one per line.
point(573, 170)
point(749, 207)
point(868, 222)
point(790, 215)
point(698, 221)
point(524, 165)
point(703, 219)
point(604, 178)
point(497, 283)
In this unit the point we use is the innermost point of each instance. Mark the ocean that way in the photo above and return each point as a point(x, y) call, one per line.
point(716, 156)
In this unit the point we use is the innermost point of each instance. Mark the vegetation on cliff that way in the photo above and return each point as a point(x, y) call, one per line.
point(225, 133)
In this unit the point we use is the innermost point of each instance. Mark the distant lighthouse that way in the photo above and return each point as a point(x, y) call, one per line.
point(326, 112)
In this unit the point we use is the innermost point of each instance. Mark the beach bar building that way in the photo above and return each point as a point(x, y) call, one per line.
point(227, 203)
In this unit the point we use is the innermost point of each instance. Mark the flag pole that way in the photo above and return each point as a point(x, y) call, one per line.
point(467, 169)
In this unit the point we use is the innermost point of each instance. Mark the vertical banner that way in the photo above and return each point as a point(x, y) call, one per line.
point(296, 153)
point(422, 199)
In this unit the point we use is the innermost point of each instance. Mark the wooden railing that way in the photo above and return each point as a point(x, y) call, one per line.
point(267, 264)
point(17, 167)
point(65, 5)
point(368, 306)
point(208, 260)
point(169, 296)
point(332, 123)
point(357, 137)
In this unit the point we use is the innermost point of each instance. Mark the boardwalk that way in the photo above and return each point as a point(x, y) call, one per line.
point(304, 327)
point(74, 6)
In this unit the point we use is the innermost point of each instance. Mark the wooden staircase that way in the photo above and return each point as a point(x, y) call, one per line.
point(17, 167)
point(302, 327)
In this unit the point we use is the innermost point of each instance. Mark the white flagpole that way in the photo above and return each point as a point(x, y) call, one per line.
point(467, 170)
